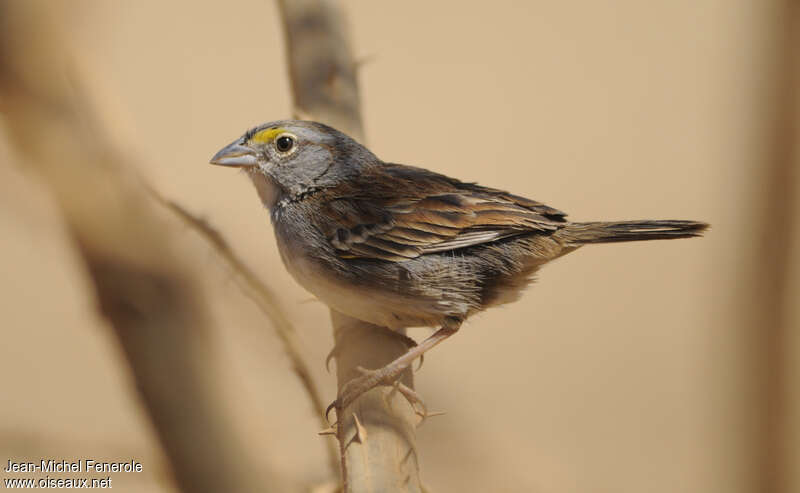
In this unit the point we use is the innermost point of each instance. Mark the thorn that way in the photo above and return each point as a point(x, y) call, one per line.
point(361, 432)
point(328, 431)
point(334, 352)
point(421, 360)
point(424, 417)
point(365, 60)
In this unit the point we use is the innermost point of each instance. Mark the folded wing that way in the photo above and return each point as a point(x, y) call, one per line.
point(397, 213)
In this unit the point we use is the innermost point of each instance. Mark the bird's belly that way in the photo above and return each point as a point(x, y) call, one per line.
point(348, 296)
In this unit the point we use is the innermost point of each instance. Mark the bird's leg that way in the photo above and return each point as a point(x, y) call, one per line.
point(391, 372)
point(409, 342)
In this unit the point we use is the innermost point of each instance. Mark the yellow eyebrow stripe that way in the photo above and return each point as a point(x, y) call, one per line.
point(267, 135)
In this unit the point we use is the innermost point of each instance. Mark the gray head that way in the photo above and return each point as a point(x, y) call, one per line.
point(288, 158)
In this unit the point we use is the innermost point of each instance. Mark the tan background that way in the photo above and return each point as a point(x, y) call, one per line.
point(626, 368)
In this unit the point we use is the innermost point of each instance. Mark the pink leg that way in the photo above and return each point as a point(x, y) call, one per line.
point(391, 372)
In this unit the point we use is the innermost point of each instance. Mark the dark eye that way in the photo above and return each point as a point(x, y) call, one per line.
point(284, 143)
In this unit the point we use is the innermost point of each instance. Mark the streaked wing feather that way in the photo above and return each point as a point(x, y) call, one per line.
point(407, 212)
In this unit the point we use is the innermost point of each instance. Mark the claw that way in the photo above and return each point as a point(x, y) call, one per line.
point(413, 398)
point(334, 352)
point(332, 405)
point(420, 409)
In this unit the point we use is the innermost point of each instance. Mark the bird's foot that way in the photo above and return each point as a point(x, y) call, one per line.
point(368, 380)
point(387, 375)
point(413, 398)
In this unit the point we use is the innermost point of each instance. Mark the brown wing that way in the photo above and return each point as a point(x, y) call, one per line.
point(398, 213)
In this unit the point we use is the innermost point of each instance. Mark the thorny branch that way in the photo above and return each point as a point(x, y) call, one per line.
point(377, 438)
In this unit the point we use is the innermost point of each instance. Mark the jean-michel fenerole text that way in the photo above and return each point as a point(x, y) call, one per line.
point(80, 465)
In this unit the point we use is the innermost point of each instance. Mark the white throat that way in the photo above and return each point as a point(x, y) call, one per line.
point(267, 189)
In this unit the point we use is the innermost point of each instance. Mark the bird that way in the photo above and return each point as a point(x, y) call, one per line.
point(400, 246)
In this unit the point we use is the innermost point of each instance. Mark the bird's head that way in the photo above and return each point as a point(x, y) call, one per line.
point(289, 158)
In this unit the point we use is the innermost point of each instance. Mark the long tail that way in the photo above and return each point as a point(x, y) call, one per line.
point(609, 232)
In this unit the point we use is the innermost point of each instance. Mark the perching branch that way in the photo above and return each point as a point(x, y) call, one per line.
point(144, 287)
point(376, 433)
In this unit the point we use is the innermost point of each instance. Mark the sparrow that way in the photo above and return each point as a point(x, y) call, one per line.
point(400, 246)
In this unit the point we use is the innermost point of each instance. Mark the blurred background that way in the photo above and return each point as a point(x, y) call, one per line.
point(660, 366)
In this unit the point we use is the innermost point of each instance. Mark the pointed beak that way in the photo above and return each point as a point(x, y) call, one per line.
point(235, 154)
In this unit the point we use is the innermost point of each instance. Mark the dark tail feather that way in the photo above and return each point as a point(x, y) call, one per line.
point(609, 232)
